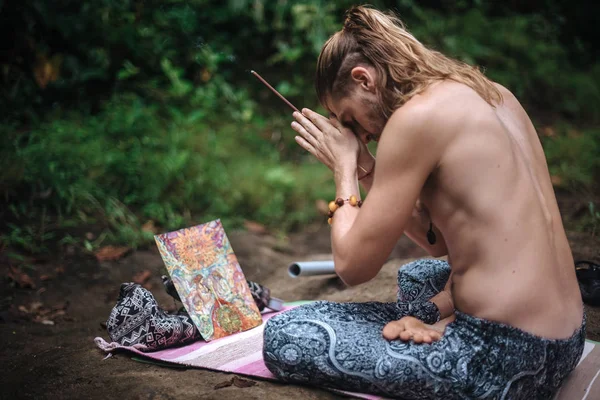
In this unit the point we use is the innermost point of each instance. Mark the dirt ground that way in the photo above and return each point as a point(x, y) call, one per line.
point(76, 293)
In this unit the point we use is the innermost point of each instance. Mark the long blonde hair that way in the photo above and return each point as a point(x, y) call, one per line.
point(405, 67)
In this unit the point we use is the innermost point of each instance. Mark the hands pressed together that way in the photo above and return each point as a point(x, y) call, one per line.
point(340, 149)
point(335, 145)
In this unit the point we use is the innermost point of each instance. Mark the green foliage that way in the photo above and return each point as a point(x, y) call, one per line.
point(117, 112)
point(573, 156)
point(135, 162)
point(76, 54)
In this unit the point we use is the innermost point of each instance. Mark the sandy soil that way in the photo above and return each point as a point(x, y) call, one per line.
point(60, 361)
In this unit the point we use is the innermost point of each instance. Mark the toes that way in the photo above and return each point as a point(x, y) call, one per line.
point(392, 330)
point(405, 336)
point(399, 330)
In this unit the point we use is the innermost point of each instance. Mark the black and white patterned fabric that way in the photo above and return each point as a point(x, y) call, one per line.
point(340, 345)
point(136, 320)
point(418, 282)
point(260, 294)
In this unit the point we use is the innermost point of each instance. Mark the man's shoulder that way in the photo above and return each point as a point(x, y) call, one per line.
point(435, 110)
point(443, 107)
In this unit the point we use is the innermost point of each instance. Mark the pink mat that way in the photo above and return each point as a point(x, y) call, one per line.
point(242, 354)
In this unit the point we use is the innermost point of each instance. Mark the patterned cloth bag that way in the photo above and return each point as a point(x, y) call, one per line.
point(137, 320)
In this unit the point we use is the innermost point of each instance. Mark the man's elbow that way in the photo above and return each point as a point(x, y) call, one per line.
point(350, 274)
point(350, 281)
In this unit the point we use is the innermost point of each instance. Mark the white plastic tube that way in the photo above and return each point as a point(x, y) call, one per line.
point(309, 268)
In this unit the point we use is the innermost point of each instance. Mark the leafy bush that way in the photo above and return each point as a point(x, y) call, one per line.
point(129, 164)
point(120, 112)
point(573, 156)
point(78, 54)
point(523, 53)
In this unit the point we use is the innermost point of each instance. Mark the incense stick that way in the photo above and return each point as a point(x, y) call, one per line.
point(273, 90)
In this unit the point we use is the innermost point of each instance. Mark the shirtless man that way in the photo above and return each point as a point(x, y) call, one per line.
point(463, 149)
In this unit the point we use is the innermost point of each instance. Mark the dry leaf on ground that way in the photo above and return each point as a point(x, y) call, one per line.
point(223, 384)
point(142, 277)
point(548, 131)
point(20, 278)
point(255, 227)
point(242, 383)
point(149, 227)
point(556, 180)
point(235, 381)
point(111, 253)
point(42, 314)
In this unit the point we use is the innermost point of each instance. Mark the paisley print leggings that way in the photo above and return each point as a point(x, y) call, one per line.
point(340, 345)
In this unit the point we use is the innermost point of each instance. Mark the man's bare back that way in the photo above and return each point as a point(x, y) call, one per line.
point(492, 199)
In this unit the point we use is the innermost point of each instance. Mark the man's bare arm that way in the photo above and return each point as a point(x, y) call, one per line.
point(407, 153)
point(416, 229)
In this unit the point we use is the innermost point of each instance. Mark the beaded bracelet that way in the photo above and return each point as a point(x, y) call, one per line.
point(334, 205)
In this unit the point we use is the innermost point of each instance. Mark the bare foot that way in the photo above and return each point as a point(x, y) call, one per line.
point(411, 328)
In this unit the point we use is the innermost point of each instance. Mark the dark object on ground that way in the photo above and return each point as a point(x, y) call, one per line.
point(170, 287)
point(137, 319)
point(588, 276)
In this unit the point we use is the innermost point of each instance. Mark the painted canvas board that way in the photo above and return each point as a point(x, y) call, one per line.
point(209, 279)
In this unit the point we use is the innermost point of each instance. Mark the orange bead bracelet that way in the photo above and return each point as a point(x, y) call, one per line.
point(337, 203)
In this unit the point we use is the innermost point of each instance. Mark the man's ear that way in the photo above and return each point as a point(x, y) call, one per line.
point(363, 77)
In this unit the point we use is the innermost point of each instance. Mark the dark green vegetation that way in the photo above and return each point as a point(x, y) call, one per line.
point(115, 113)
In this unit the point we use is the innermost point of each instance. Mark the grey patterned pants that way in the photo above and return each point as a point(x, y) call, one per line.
point(340, 345)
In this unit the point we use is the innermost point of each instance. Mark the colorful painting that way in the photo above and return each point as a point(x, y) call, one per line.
point(209, 280)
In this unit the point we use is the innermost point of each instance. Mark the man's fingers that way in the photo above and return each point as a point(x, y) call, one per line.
point(317, 119)
point(305, 134)
point(305, 145)
point(311, 128)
